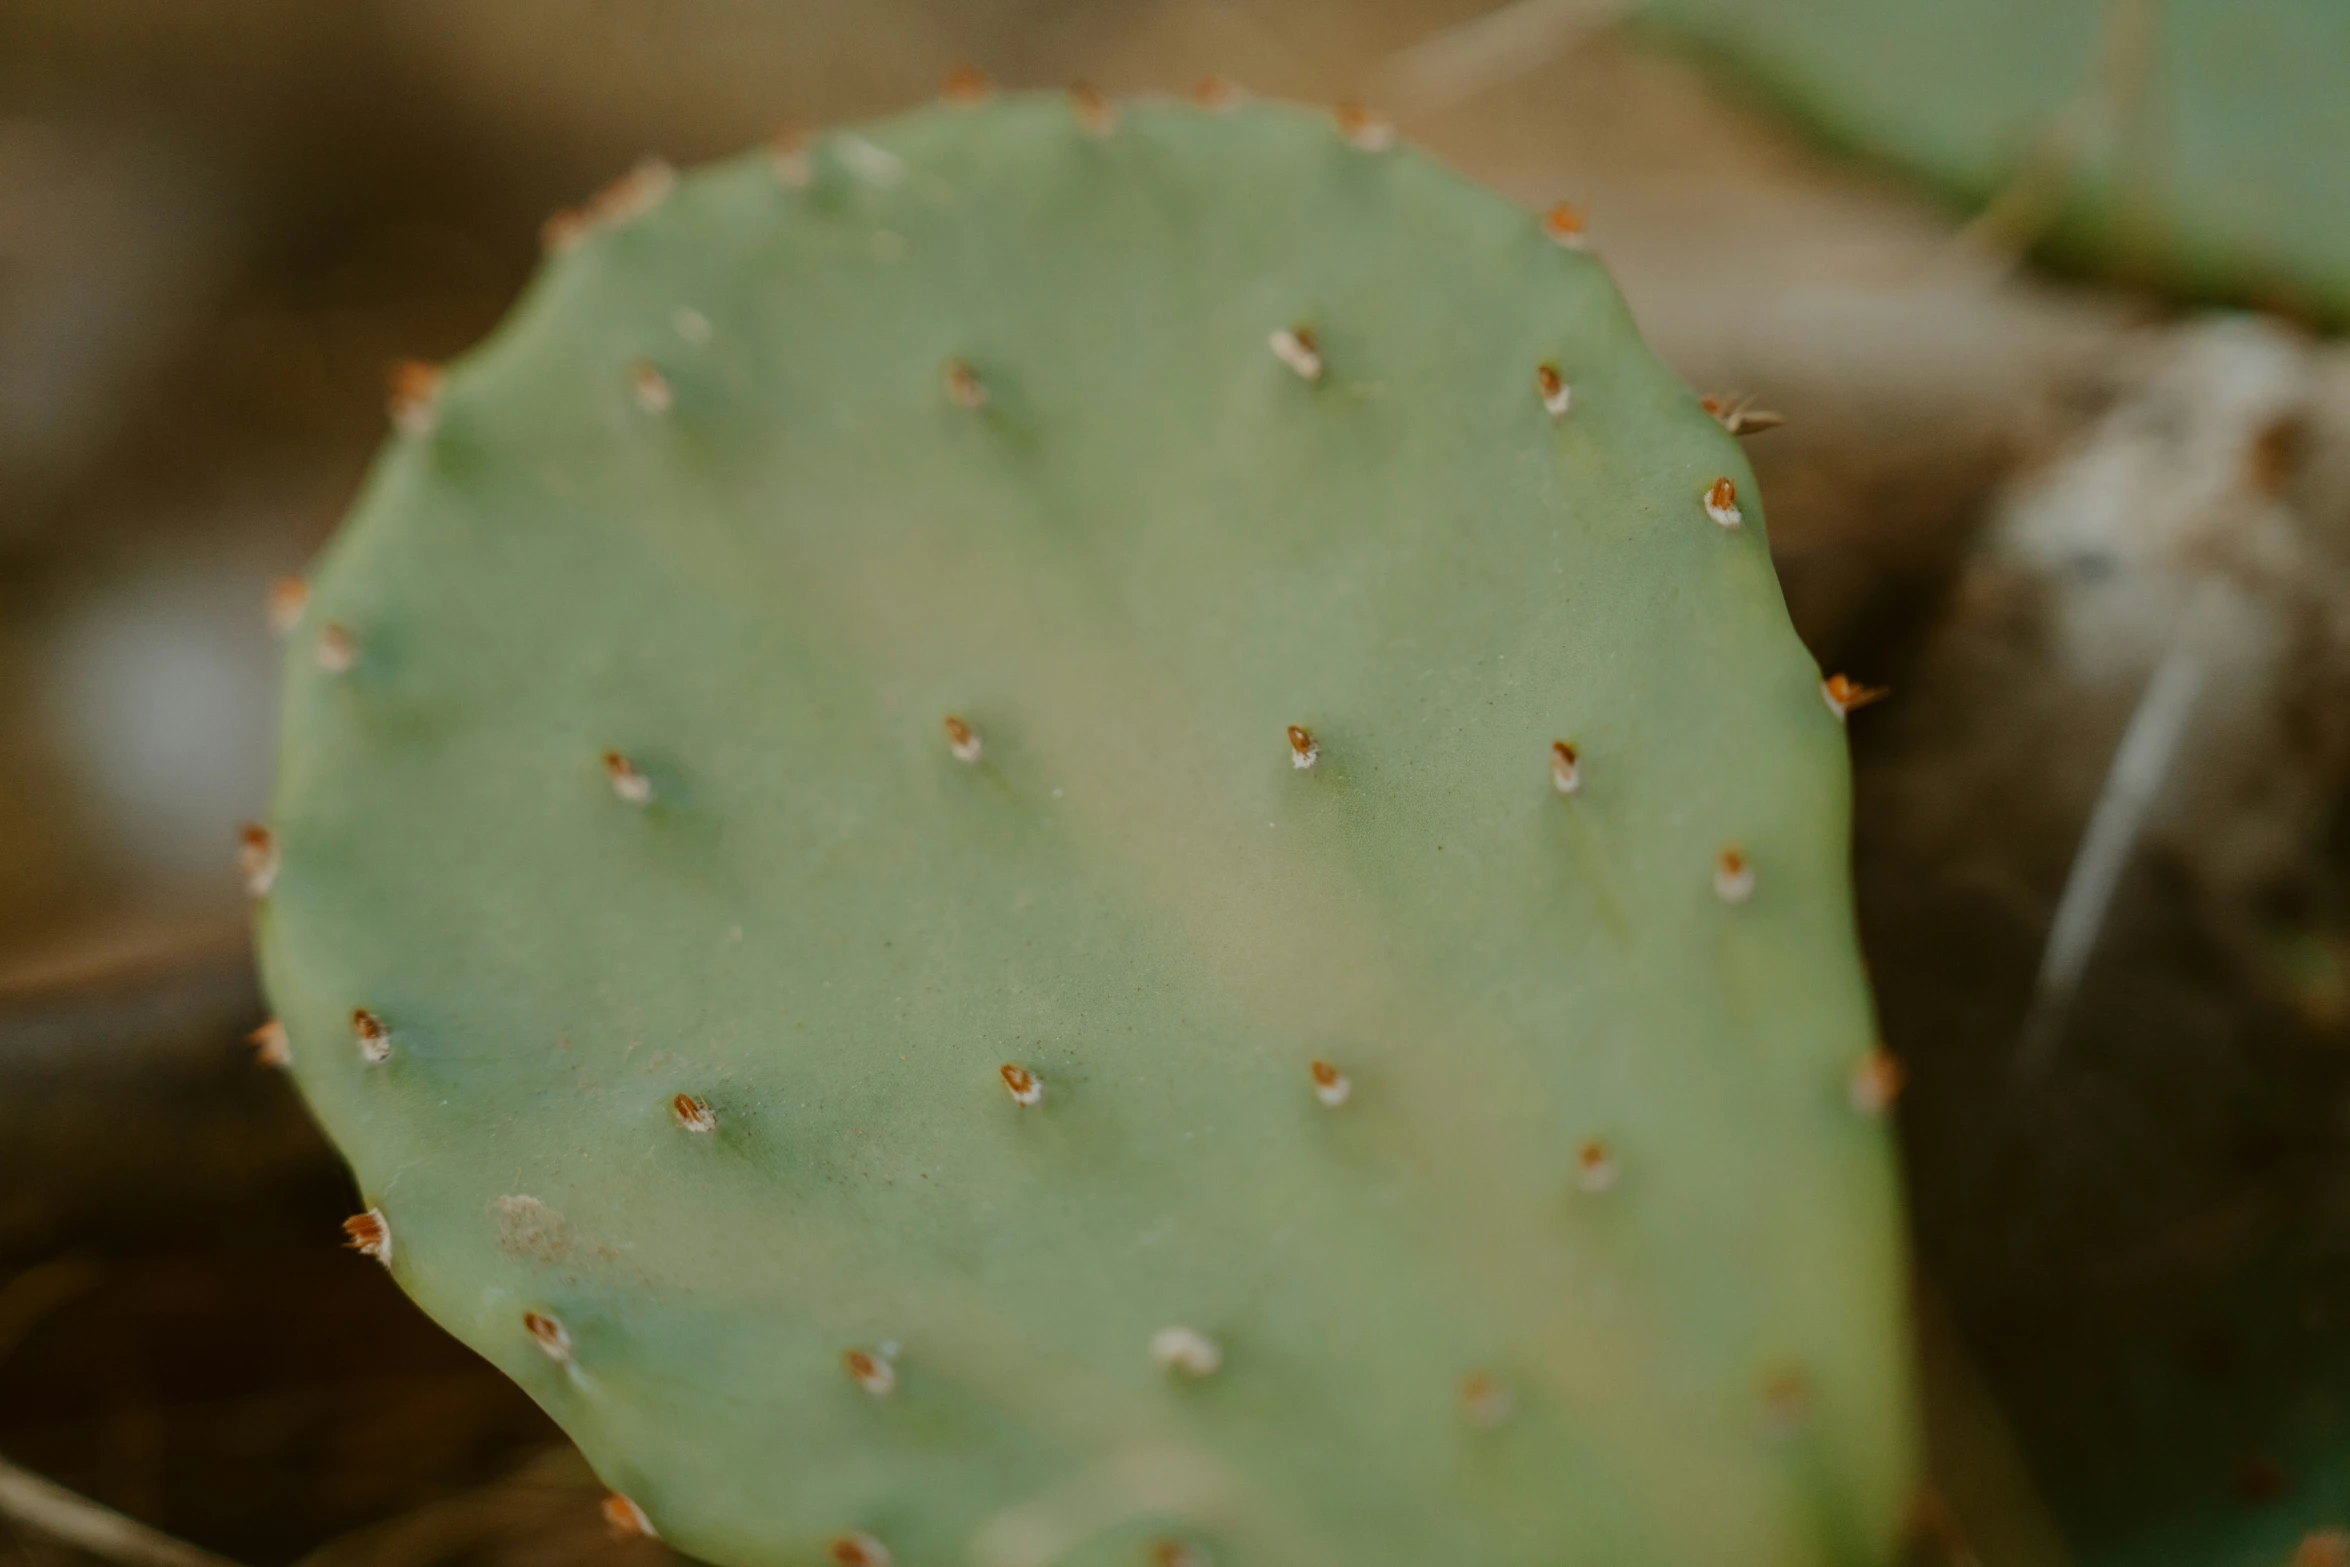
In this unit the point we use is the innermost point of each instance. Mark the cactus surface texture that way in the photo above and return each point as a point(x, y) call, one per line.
point(2195, 142)
point(922, 857)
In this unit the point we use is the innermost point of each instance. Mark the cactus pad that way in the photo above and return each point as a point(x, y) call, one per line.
point(2198, 142)
point(1066, 833)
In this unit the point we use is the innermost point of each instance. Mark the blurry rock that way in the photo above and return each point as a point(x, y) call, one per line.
point(2137, 1196)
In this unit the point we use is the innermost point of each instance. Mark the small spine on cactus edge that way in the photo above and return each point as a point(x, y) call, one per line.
point(1095, 114)
point(962, 740)
point(650, 388)
point(1331, 1086)
point(966, 86)
point(373, 1039)
point(871, 1370)
point(370, 1235)
point(634, 194)
point(1295, 347)
point(1216, 94)
point(257, 858)
point(550, 1335)
point(1364, 129)
point(1486, 1400)
point(1566, 767)
point(1737, 414)
point(693, 1113)
point(964, 388)
point(1733, 875)
point(1595, 1166)
point(626, 1520)
point(1557, 396)
point(288, 597)
point(1186, 1350)
point(1564, 224)
point(1304, 750)
point(1843, 694)
point(858, 1549)
point(338, 648)
point(631, 785)
point(414, 400)
point(787, 154)
point(1025, 1087)
point(1721, 503)
point(270, 1047)
point(1874, 1082)
point(1177, 1553)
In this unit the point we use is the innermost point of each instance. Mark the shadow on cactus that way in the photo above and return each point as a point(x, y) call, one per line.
point(1065, 832)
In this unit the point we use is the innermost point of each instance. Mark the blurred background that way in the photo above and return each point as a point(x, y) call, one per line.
point(2064, 463)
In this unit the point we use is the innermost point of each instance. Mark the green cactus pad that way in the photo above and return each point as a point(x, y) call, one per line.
point(2200, 142)
point(1129, 439)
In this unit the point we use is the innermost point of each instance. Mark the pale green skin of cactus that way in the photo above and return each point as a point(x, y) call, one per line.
point(1151, 550)
point(2206, 152)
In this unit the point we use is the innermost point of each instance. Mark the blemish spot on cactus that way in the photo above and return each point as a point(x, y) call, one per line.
point(871, 1371)
point(787, 154)
point(1025, 1087)
point(1304, 750)
point(1733, 876)
point(691, 324)
point(1486, 1401)
point(257, 858)
point(627, 782)
point(1331, 1086)
point(550, 1335)
point(1721, 503)
point(1177, 1553)
point(1595, 1166)
point(1564, 223)
point(874, 165)
point(1566, 767)
point(626, 1520)
point(693, 1113)
point(370, 1235)
point(338, 648)
point(966, 86)
point(962, 740)
point(1875, 1082)
point(288, 597)
point(1094, 111)
point(1786, 1404)
point(373, 1039)
point(963, 384)
point(650, 388)
point(1557, 396)
point(1843, 694)
point(1295, 347)
point(1736, 413)
point(857, 1549)
point(1216, 94)
point(1363, 128)
point(270, 1047)
point(414, 397)
point(1186, 1351)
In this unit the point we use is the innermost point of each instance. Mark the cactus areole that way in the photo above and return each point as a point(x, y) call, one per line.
point(919, 857)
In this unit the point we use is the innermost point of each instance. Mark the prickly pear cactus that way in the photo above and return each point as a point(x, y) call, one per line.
point(2195, 142)
point(1072, 833)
